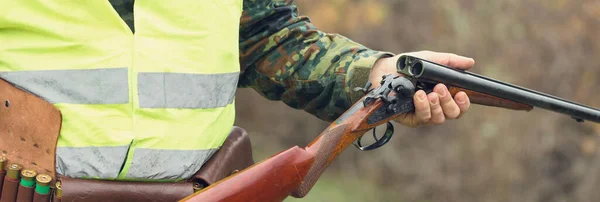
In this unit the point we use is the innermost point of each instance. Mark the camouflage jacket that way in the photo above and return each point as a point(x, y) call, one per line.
point(283, 56)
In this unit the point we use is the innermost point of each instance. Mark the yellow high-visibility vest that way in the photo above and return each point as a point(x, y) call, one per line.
point(154, 105)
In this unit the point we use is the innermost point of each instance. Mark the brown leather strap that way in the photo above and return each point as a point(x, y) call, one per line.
point(105, 190)
point(25, 193)
point(41, 197)
point(233, 156)
point(9, 191)
point(29, 129)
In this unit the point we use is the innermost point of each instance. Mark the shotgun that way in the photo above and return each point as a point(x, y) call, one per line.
point(295, 171)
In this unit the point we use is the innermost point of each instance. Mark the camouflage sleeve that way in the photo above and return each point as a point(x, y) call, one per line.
point(284, 57)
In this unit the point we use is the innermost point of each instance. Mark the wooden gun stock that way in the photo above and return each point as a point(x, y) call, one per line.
point(294, 171)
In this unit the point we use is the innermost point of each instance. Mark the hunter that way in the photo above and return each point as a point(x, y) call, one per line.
point(146, 89)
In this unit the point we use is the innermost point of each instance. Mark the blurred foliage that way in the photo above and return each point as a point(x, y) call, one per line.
point(490, 154)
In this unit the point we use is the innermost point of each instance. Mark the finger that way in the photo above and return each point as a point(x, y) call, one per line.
point(449, 107)
point(448, 59)
point(463, 102)
point(422, 111)
point(437, 115)
point(453, 60)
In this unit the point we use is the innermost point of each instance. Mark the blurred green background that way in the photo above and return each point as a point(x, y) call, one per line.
point(490, 154)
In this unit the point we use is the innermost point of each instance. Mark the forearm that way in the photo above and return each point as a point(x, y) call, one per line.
point(284, 57)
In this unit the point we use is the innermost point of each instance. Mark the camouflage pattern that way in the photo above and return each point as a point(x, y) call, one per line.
point(283, 56)
point(125, 9)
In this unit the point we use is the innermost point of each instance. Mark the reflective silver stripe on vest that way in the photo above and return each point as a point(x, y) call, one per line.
point(180, 90)
point(90, 86)
point(85, 162)
point(167, 164)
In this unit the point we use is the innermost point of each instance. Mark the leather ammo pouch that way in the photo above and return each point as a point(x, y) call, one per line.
point(29, 130)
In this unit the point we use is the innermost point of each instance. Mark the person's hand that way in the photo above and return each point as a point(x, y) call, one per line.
point(437, 106)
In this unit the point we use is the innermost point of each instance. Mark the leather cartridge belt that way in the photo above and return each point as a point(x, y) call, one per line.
point(29, 130)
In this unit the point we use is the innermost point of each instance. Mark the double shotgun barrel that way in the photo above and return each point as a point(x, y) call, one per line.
point(488, 91)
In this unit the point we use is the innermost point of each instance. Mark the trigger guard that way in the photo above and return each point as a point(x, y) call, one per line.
point(389, 132)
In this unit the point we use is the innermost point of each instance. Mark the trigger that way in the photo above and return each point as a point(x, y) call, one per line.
point(425, 86)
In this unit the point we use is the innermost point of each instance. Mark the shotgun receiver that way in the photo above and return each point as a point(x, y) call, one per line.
point(295, 171)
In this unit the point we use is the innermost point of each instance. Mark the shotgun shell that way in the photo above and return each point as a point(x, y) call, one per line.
point(58, 192)
point(2, 161)
point(27, 177)
point(43, 184)
point(13, 171)
point(11, 183)
point(25, 190)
